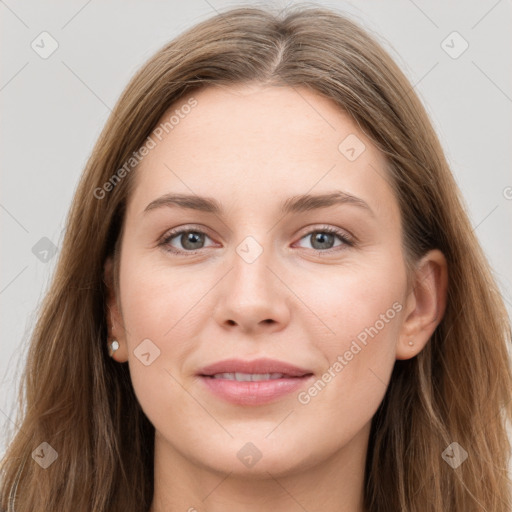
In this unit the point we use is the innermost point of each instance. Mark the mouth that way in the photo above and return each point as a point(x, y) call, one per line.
point(261, 369)
point(253, 377)
point(255, 382)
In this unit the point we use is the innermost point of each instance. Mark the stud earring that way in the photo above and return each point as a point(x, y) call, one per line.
point(113, 346)
point(411, 343)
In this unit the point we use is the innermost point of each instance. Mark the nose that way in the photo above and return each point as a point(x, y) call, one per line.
point(253, 296)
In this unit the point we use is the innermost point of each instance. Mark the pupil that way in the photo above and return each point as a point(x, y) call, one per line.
point(192, 238)
point(323, 239)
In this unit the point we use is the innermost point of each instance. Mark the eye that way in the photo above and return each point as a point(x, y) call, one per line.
point(322, 238)
point(191, 240)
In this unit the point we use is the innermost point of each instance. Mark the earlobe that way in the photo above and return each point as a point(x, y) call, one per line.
point(425, 304)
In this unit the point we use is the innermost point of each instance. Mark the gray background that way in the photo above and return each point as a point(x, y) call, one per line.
point(53, 110)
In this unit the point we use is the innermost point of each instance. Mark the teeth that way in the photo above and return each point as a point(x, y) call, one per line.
point(248, 377)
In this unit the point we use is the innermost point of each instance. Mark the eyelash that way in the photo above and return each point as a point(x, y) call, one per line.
point(323, 229)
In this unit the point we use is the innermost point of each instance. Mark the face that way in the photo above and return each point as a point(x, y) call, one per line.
point(318, 285)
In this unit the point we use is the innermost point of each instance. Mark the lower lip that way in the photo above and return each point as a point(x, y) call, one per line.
point(254, 392)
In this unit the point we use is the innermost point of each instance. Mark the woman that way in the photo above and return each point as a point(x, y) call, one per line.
point(269, 295)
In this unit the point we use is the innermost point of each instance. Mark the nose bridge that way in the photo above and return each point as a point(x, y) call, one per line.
point(251, 261)
point(252, 294)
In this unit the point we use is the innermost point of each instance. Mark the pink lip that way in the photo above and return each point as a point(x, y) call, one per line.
point(258, 392)
point(262, 365)
point(254, 393)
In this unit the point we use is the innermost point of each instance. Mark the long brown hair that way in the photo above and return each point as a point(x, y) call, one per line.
point(458, 389)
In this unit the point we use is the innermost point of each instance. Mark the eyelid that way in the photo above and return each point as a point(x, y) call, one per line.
point(331, 229)
point(172, 233)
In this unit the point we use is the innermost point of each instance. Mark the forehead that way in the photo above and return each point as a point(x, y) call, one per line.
point(254, 143)
point(252, 118)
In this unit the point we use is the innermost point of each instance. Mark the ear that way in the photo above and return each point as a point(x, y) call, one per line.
point(116, 330)
point(425, 304)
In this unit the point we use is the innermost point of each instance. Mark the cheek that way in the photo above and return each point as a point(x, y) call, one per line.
point(348, 300)
point(151, 307)
point(362, 311)
point(154, 298)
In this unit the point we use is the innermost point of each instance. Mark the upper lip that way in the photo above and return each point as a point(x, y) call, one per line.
point(262, 365)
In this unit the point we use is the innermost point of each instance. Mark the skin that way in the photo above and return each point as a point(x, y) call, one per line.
point(251, 147)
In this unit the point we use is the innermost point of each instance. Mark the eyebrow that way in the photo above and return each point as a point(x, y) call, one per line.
point(295, 204)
